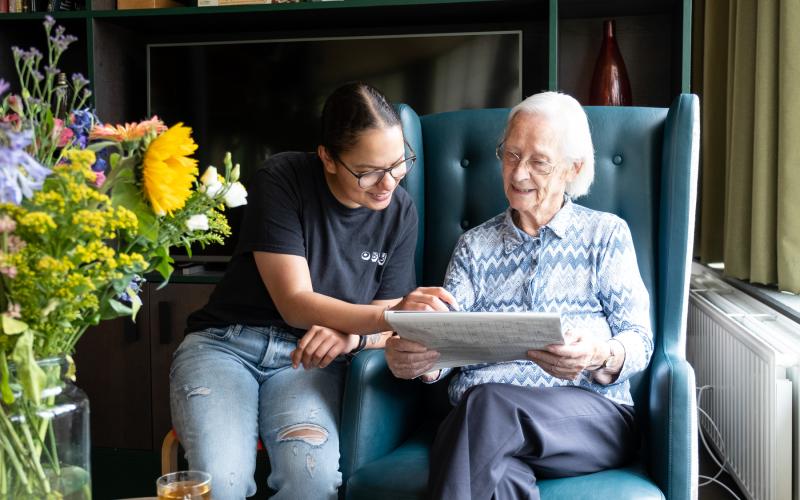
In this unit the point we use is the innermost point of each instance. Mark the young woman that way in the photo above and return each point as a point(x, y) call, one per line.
point(327, 244)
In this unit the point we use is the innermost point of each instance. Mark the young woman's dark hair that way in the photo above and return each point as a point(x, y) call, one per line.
point(351, 109)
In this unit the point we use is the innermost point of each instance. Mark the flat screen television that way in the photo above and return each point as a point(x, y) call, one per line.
point(258, 98)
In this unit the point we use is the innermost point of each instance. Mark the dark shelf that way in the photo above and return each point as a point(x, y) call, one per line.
point(319, 6)
point(299, 19)
point(568, 9)
point(22, 16)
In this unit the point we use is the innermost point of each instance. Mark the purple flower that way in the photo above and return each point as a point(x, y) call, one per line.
point(135, 285)
point(15, 140)
point(60, 40)
point(20, 173)
point(49, 22)
point(61, 92)
point(100, 165)
point(50, 70)
point(32, 55)
point(78, 80)
point(83, 119)
point(81, 122)
point(3, 86)
point(37, 75)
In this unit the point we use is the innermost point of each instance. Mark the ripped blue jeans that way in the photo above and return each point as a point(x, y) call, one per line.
point(230, 386)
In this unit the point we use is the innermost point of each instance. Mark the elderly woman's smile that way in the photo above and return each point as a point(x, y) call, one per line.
point(535, 171)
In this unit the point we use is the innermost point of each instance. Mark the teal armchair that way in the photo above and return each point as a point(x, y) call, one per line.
point(646, 172)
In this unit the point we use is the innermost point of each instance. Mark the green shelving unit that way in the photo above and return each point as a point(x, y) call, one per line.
point(560, 38)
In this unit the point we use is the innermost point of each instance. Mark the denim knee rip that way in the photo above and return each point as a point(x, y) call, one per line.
point(311, 434)
point(196, 391)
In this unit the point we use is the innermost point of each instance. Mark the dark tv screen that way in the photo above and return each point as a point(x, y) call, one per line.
point(258, 98)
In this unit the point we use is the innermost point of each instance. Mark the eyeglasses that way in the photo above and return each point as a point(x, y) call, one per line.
point(512, 159)
point(399, 170)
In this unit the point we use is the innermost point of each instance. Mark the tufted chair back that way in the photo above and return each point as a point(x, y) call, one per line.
point(457, 182)
point(646, 173)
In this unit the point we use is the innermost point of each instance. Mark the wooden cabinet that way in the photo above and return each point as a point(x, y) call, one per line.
point(113, 361)
point(124, 367)
point(169, 308)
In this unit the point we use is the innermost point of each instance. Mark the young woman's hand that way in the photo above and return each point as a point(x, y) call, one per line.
point(427, 298)
point(321, 345)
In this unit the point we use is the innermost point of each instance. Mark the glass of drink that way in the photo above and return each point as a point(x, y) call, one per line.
point(184, 485)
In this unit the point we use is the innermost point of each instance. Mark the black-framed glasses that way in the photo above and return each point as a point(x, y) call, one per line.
point(512, 159)
point(399, 170)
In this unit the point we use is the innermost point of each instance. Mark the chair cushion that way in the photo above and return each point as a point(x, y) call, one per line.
point(403, 475)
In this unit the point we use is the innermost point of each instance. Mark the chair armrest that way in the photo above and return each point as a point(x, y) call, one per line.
point(672, 431)
point(378, 411)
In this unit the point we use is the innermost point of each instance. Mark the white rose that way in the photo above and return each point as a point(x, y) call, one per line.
point(210, 176)
point(197, 222)
point(212, 190)
point(236, 195)
point(211, 184)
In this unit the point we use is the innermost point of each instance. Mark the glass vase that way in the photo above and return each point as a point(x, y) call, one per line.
point(610, 83)
point(44, 446)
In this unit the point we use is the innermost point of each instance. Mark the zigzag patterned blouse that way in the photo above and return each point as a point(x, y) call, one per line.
point(581, 265)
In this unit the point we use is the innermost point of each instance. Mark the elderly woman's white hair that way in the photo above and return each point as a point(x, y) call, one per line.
point(569, 121)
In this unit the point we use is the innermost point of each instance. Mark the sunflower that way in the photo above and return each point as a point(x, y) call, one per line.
point(167, 171)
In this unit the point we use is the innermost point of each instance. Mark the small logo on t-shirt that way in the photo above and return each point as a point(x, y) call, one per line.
point(380, 258)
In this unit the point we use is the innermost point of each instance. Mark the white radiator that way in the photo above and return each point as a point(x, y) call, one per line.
point(747, 353)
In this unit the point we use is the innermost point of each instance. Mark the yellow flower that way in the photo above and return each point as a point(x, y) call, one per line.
point(51, 201)
point(124, 219)
point(84, 158)
point(167, 171)
point(133, 261)
point(37, 222)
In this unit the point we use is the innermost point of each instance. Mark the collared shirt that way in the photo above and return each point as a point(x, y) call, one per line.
point(582, 265)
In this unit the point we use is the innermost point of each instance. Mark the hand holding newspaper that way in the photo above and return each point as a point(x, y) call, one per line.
point(465, 338)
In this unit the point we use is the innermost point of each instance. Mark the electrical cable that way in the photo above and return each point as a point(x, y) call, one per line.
point(722, 448)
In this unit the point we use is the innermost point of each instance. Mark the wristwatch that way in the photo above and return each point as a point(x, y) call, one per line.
point(362, 343)
point(611, 357)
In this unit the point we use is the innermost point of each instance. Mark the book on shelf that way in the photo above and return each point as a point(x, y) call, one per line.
point(223, 3)
point(192, 269)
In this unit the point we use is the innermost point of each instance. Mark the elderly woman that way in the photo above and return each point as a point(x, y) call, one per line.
point(567, 410)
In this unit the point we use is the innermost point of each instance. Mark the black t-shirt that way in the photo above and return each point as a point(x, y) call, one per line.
point(354, 254)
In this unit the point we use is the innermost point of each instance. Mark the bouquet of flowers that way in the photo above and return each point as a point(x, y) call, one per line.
point(86, 209)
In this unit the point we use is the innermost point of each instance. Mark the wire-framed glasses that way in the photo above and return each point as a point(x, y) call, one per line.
point(512, 159)
point(399, 170)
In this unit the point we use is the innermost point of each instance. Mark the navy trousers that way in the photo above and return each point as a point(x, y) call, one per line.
point(500, 438)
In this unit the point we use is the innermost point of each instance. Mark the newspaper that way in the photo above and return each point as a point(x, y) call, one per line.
point(466, 338)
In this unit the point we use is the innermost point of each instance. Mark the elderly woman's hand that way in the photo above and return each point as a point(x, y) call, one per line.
point(567, 361)
point(427, 298)
point(408, 359)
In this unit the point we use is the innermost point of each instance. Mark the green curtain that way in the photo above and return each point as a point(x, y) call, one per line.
point(748, 75)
